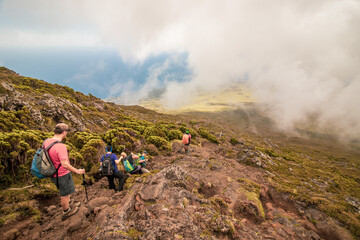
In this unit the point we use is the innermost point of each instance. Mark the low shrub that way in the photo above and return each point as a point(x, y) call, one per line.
point(159, 142)
point(157, 130)
point(205, 134)
point(174, 134)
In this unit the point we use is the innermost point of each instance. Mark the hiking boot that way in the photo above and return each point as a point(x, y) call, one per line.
point(69, 213)
point(74, 204)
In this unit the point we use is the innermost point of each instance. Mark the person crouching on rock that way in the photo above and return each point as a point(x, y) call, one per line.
point(111, 171)
point(129, 163)
point(64, 182)
point(140, 160)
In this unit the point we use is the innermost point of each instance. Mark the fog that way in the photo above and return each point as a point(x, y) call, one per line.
point(301, 58)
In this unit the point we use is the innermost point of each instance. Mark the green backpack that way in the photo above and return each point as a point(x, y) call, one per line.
point(127, 165)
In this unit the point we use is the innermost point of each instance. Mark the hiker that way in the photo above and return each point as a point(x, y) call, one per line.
point(186, 141)
point(129, 165)
point(59, 155)
point(115, 173)
point(140, 159)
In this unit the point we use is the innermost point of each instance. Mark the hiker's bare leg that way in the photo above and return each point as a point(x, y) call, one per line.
point(186, 148)
point(65, 202)
point(145, 170)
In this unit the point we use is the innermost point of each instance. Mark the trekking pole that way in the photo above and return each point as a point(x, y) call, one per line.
point(84, 183)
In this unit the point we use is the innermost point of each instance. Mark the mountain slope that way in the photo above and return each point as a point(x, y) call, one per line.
point(202, 196)
point(242, 180)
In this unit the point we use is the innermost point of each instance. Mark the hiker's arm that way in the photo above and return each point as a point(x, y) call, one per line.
point(117, 161)
point(67, 165)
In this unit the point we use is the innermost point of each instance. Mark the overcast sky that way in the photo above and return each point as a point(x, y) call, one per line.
point(302, 58)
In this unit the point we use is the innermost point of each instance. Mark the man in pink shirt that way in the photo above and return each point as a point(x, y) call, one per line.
point(59, 155)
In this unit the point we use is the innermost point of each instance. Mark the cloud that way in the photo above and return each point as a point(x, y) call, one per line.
point(131, 93)
point(44, 23)
point(15, 38)
point(301, 57)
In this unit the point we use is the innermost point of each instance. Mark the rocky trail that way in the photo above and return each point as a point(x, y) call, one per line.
point(200, 196)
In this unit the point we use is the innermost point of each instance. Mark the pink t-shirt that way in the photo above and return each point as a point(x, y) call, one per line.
point(57, 153)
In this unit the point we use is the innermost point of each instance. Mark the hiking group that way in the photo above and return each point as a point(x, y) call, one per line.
point(52, 160)
point(132, 163)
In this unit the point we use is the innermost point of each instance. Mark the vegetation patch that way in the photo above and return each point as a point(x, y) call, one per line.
point(159, 142)
point(234, 141)
point(133, 233)
point(249, 185)
point(174, 134)
point(325, 185)
point(205, 134)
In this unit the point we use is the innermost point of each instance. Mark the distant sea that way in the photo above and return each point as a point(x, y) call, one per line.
point(93, 70)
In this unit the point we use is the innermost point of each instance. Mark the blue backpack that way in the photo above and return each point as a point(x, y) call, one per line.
point(42, 165)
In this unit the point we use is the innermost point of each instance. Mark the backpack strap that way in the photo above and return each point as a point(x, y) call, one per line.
point(51, 144)
point(47, 153)
point(57, 176)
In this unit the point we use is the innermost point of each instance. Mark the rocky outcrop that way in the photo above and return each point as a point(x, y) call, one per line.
point(43, 106)
point(58, 108)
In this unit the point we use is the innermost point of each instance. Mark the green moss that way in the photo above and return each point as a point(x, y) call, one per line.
point(234, 141)
point(254, 197)
point(269, 152)
point(20, 203)
point(130, 181)
point(218, 202)
point(232, 227)
point(326, 183)
point(133, 233)
point(249, 185)
point(206, 234)
point(25, 210)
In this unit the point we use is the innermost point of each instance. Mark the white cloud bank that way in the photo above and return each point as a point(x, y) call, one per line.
point(302, 57)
